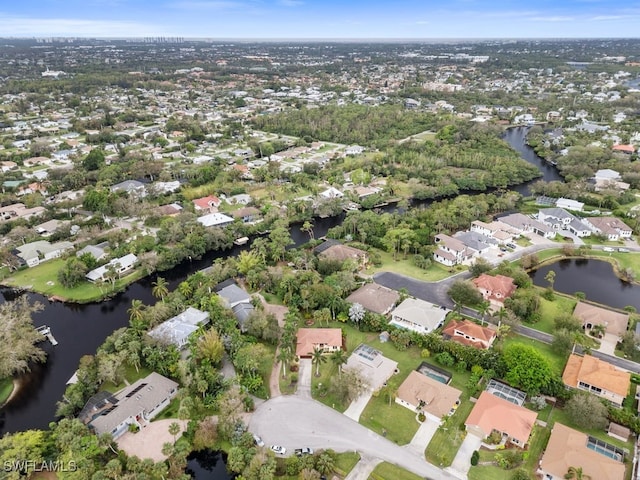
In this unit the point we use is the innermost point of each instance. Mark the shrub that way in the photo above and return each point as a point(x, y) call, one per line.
point(538, 402)
point(425, 353)
point(445, 358)
point(475, 456)
point(421, 417)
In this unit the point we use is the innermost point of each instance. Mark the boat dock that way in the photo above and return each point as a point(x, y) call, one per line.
point(46, 331)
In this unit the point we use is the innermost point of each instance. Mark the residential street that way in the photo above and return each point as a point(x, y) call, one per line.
point(295, 422)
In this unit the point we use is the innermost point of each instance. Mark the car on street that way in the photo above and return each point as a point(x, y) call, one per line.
point(608, 249)
point(258, 440)
point(280, 450)
point(623, 250)
point(303, 451)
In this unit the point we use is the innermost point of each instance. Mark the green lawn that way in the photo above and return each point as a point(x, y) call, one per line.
point(6, 387)
point(447, 440)
point(388, 471)
point(399, 422)
point(44, 279)
point(557, 361)
point(130, 374)
point(171, 411)
point(551, 310)
point(406, 267)
point(345, 462)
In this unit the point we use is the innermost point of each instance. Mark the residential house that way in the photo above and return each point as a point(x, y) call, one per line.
point(556, 218)
point(120, 266)
point(569, 204)
point(611, 227)
point(19, 210)
point(496, 289)
point(247, 214)
point(237, 299)
point(215, 220)
point(417, 315)
point(364, 192)
point(616, 323)
point(239, 199)
point(136, 404)
point(6, 166)
point(131, 187)
point(50, 227)
point(328, 340)
point(354, 150)
point(450, 251)
point(334, 250)
point(372, 365)
point(170, 210)
point(598, 377)
point(177, 330)
point(500, 232)
point(207, 204)
point(98, 252)
point(431, 397)
point(628, 149)
point(609, 179)
point(476, 242)
point(331, 192)
point(34, 187)
point(469, 333)
point(523, 224)
point(35, 253)
point(375, 298)
point(491, 413)
point(570, 448)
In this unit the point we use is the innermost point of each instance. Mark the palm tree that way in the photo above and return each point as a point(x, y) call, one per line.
point(136, 310)
point(576, 473)
point(317, 357)
point(483, 309)
point(160, 288)
point(339, 358)
point(308, 228)
point(284, 356)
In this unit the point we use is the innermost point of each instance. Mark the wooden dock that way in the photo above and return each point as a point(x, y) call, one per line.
point(46, 331)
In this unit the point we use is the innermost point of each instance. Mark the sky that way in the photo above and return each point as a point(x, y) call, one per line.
point(321, 19)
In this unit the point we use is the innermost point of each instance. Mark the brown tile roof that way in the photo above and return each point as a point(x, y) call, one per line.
point(493, 413)
point(245, 212)
point(438, 398)
point(615, 322)
point(498, 284)
point(471, 329)
point(343, 252)
point(375, 298)
point(595, 372)
point(308, 338)
point(568, 448)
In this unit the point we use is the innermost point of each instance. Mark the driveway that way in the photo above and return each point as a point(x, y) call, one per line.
point(608, 344)
point(148, 442)
point(356, 407)
point(295, 422)
point(304, 378)
point(423, 436)
point(462, 463)
point(363, 468)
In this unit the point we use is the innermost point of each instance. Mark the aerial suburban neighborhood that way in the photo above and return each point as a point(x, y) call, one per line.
point(308, 260)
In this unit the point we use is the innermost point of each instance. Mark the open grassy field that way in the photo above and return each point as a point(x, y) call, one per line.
point(44, 279)
point(406, 267)
point(551, 310)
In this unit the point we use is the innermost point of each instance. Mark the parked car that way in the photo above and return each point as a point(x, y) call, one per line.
point(623, 250)
point(304, 451)
point(258, 440)
point(280, 450)
point(608, 249)
point(511, 245)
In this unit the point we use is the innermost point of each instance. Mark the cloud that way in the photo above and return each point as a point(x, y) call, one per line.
point(74, 27)
point(603, 18)
point(290, 3)
point(552, 18)
point(208, 5)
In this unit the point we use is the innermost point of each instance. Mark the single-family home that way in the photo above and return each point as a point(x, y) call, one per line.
point(136, 404)
point(569, 204)
point(375, 298)
point(615, 323)
point(207, 204)
point(417, 315)
point(35, 253)
point(170, 210)
point(522, 223)
point(372, 365)
point(556, 218)
point(331, 192)
point(501, 232)
point(494, 414)
point(19, 210)
point(328, 340)
point(425, 394)
point(35, 187)
point(628, 149)
point(237, 299)
point(177, 330)
point(476, 242)
point(334, 250)
point(98, 252)
point(609, 179)
point(131, 187)
point(364, 192)
point(598, 377)
point(570, 448)
point(469, 333)
point(611, 227)
point(247, 214)
point(495, 288)
point(450, 251)
point(215, 220)
point(50, 227)
point(353, 150)
point(607, 174)
point(120, 266)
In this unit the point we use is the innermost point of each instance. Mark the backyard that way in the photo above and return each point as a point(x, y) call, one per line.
point(405, 266)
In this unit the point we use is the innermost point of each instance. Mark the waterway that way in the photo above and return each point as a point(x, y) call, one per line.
point(80, 329)
point(595, 278)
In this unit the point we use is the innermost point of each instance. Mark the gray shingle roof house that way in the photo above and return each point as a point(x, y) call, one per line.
point(132, 187)
point(176, 330)
point(237, 299)
point(122, 265)
point(135, 404)
point(418, 315)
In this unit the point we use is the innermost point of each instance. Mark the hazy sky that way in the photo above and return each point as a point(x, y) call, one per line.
point(321, 18)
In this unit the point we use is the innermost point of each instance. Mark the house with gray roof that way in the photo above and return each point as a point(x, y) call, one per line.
point(524, 223)
point(132, 187)
point(418, 315)
point(237, 299)
point(96, 251)
point(35, 253)
point(476, 241)
point(136, 404)
point(120, 265)
point(177, 330)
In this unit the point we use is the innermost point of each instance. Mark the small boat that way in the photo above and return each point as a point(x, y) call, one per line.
point(241, 241)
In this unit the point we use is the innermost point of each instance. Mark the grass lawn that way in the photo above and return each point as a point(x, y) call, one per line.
point(388, 471)
point(130, 375)
point(406, 267)
point(537, 443)
point(266, 365)
point(171, 411)
point(44, 279)
point(399, 422)
point(286, 387)
point(551, 310)
point(271, 298)
point(447, 440)
point(345, 462)
point(558, 362)
point(6, 387)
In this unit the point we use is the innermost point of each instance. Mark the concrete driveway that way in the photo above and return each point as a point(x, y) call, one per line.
point(305, 371)
point(363, 468)
point(295, 422)
point(423, 436)
point(462, 463)
point(356, 407)
point(148, 442)
point(608, 344)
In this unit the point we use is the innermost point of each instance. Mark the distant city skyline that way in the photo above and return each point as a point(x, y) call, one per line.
point(321, 19)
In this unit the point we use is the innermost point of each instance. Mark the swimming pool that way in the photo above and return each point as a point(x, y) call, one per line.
point(434, 372)
point(606, 449)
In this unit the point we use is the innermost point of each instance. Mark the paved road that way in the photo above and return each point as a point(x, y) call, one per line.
point(295, 422)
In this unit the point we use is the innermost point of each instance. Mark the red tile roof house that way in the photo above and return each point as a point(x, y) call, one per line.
point(308, 339)
point(496, 288)
point(469, 333)
point(628, 149)
point(208, 204)
point(491, 413)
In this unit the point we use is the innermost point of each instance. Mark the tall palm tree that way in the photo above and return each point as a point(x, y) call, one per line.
point(284, 356)
point(317, 357)
point(339, 358)
point(160, 288)
point(576, 473)
point(136, 310)
point(483, 309)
